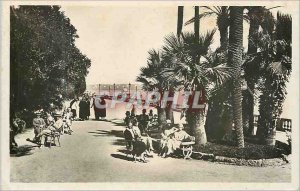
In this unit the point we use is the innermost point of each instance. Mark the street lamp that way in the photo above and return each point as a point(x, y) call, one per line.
point(99, 89)
point(129, 88)
point(114, 88)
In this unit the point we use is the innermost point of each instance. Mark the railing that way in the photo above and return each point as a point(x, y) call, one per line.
point(282, 124)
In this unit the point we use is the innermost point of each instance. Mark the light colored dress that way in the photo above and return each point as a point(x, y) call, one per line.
point(176, 140)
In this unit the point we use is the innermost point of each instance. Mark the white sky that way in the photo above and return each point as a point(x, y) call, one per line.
point(117, 39)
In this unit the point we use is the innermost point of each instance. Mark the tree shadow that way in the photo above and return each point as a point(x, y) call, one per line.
point(23, 150)
point(116, 133)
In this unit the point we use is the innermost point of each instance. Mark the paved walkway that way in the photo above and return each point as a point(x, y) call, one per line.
point(94, 154)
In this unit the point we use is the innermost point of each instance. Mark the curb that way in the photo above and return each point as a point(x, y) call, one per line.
point(243, 162)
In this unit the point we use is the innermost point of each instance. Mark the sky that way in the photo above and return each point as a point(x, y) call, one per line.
point(117, 38)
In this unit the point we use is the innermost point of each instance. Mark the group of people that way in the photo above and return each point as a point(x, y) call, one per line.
point(80, 107)
point(137, 131)
point(47, 123)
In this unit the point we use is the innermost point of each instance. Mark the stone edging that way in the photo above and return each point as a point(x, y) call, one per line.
point(243, 162)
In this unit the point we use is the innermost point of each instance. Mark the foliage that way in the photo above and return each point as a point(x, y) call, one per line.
point(44, 60)
point(274, 70)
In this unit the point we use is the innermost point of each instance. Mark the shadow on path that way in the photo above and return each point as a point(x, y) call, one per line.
point(116, 133)
point(123, 157)
point(23, 150)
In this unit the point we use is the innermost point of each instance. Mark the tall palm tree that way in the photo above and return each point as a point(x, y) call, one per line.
point(257, 16)
point(274, 71)
point(222, 13)
point(235, 54)
point(153, 79)
point(195, 76)
point(179, 20)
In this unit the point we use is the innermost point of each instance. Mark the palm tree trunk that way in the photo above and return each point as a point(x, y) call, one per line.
point(235, 60)
point(169, 113)
point(197, 24)
point(248, 99)
point(223, 37)
point(179, 20)
point(197, 30)
point(161, 113)
point(196, 122)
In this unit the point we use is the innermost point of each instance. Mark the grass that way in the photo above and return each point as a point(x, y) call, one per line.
point(250, 151)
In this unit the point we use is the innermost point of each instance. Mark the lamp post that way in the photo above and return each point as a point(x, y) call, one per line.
point(99, 89)
point(129, 88)
point(114, 88)
point(109, 89)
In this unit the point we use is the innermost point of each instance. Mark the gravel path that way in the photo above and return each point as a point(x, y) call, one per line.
point(94, 154)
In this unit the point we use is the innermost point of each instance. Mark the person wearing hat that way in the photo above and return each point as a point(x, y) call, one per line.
point(166, 134)
point(58, 122)
point(176, 139)
point(38, 125)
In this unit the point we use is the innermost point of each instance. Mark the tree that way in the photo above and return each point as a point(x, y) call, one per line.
point(180, 20)
point(274, 72)
point(257, 16)
point(153, 79)
point(195, 76)
point(222, 13)
point(235, 54)
point(44, 59)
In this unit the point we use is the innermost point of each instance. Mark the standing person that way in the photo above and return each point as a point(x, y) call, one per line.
point(143, 121)
point(96, 102)
point(88, 103)
point(82, 105)
point(102, 110)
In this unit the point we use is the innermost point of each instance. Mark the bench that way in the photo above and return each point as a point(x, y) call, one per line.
point(187, 149)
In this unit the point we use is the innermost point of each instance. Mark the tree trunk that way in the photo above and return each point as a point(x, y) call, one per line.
point(179, 20)
point(223, 37)
point(197, 30)
point(196, 122)
point(248, 99)
point(161, 113)
point(235, 60)
point(197, 24)
point(169, 113)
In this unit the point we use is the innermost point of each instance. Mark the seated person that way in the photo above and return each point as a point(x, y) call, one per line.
point(175, 141)
point(17, 126)
point(49, 119)
point(166, 134)
point(138, 136)
point(129, 137)
point(67, 119)
point(150, 115)
point(38, 125)
point(127, 118)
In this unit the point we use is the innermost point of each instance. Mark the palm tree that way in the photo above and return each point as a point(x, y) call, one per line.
point(195, 76)
point(235, 54)
point(257, 16)
point(222, 13)
point(154, 80)
point(179, 20)
point(273, 71)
